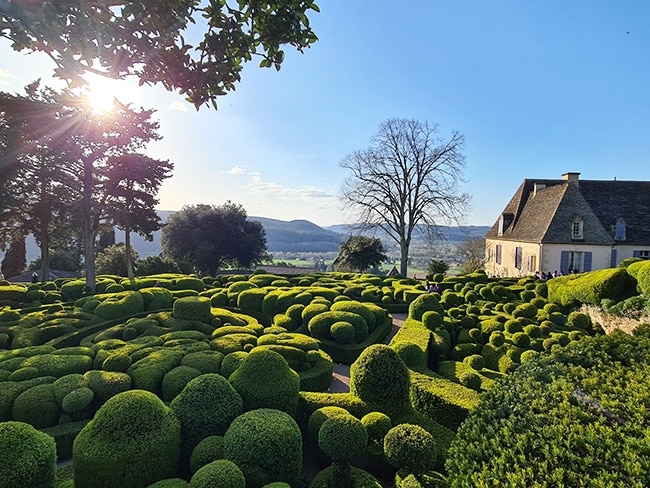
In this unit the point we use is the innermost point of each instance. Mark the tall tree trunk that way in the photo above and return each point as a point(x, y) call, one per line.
point(89, 231)
point(127, 249)
point(404, 260)
point(44, 240)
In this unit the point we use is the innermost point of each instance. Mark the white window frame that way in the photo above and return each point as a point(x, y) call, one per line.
point(577, 228)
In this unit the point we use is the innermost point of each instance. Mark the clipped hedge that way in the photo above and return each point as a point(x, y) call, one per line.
point(591, 288)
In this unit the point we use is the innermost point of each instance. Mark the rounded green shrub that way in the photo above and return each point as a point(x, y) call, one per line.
point(207, 450)
point(521, 339)
point(432, 320)
point(410, 447)
point(380, 378)
point(319, 416)
point(27, 456)
point(206, 407)
point(377, 425)
point(513, 325)
point(37, 406)
point(193, 308)
point(204, 361)
point(219, 474)
point(470, 380)
point(475, 361)
point(24, 373)
point(359, 478)
point(265, 380)
point(133, 440)
point(342, 437)
point(425, 303)
point(579, 320)
point(497, 338)
point(118, 361)
point(342, 332)
point(106, 384)
point(231, 362)
point(78, 400)
point(175, 380)
point(124, 304)
point(267, 445)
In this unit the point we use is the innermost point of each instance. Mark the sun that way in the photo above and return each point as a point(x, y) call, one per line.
point(101, 94)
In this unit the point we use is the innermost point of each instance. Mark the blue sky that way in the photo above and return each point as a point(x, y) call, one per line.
point(537, 88)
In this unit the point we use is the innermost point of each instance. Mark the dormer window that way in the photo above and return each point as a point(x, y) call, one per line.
point(619, 235)
point(577, 229)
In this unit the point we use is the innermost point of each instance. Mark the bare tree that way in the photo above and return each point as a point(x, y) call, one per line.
point(472, 253)
point(406, 181)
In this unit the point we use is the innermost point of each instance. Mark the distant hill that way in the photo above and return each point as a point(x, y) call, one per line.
point(451, 234)
point(283, 236)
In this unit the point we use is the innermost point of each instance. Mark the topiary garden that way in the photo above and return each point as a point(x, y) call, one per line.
point(172, 380)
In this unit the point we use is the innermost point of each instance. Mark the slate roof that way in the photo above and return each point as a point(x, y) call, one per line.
point(545, 216)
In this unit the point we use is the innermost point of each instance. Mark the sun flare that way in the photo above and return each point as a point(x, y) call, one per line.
point(101, 94)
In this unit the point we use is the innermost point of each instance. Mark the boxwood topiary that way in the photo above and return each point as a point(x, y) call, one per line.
point(410, 447)
point(124, 304)
point(133, 440)
point(175, 380)
point(381, 379)
point(193, 308)
point(425, 303)
point(319, 416)
point(267, 445)
point(218, 474)
point(208, 450)
point(37, 406)
point(206, 407)
point(265, 380)
point(27, 456)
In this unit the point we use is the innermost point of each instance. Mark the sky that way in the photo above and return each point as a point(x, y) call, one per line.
point(538, 89)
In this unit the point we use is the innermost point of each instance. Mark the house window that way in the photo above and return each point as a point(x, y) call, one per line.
point(499, 252)
point(490, 255)
point(518, 257)
point(619, 234)
point(576, 229)
point(532, 263)
point(645, 254)
point(575, 261)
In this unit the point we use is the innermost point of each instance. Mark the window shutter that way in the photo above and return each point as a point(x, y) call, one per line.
point(636, 254)
point(499, 253)
point(518, 257)
point(564, 262)
point(612, 260)
point(588, 261)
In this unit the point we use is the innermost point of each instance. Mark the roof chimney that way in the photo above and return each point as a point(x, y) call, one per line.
point(571, 177)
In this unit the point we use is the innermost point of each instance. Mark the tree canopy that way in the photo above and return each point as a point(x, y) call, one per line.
point(212, 237)
point(154, 39)
point(60, 160)
point(406, 181)
point(359, 253)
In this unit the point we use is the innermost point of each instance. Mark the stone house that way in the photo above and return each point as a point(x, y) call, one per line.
point(569, 225)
